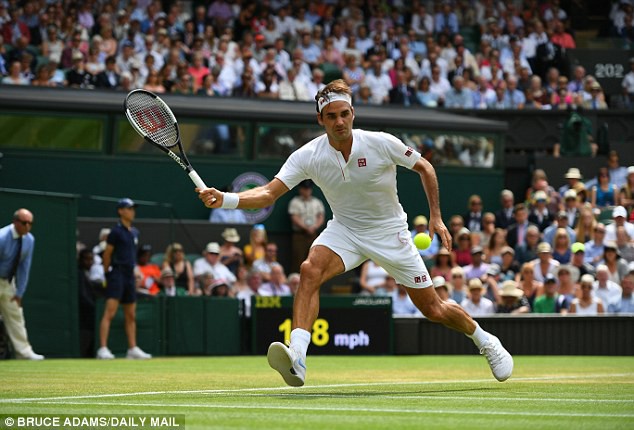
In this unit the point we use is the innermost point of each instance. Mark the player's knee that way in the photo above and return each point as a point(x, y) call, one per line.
point(309, 273)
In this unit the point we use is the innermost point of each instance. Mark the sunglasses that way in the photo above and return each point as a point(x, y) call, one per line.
point(25, 223)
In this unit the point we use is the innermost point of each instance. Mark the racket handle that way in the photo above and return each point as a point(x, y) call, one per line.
point(197, 180)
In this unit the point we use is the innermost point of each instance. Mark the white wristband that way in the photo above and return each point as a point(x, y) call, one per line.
point(230, 200)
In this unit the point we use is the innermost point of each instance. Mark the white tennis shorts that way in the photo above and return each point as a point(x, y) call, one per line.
point(395, 252)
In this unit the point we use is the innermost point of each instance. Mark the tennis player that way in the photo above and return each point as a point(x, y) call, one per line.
point(356, 171)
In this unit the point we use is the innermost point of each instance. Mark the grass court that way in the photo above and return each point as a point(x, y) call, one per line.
point(390, 392)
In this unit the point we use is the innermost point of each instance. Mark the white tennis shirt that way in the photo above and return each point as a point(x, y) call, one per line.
point(362, 192)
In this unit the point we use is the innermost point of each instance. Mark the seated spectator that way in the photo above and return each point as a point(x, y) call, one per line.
point(626, 193)
point(230, 253)
point(402, 93)
point(443, 266)
point(561, 222)
point(425, 96)
point(110, 78)
point(597, 100)
point(182, 271)
point(443, 289)
point(478, 268)
point(462, 253)
point(256, 248)
point(473, 217)
point(528, 251)
point(573, 177)
point(578, 259)
point(509, 267)
point(544, 264)
point(512, 299)
point(151, 272)
point(168, 284)
point(264, 264)
point(617, 266)
point(401, 302)
point(456, 224)
point(210, 263)
point(459, 97)
point(293, 281)
point(624, 244)
point(540, 215)
point(459, 284)
point(532, 289)
point(215, 287)
point(276, 286)
point(604, 288)
point(488, 228)
point(371, 278)
point(619, 215)
point(561, 247)
point(625, 303)
point(14, 76)
point(571, 206)
point(586, 303)
point(567, 278)
point(605, 193)
point(477, 304)
point(516, 234)
point(594, 248)
point(551, 302)
point(504, 217)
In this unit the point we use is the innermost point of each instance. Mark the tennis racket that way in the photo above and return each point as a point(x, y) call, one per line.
point(153, 119)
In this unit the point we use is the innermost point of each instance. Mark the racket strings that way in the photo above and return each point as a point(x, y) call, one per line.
point(151, 116)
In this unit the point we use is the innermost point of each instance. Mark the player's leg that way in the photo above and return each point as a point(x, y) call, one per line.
point(128, 302)
point(454, 317)
point(321, 265)
point(13, 315)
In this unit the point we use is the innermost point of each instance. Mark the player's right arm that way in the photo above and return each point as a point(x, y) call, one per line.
point(255, 198)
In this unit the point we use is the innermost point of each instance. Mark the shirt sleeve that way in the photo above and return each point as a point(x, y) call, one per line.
point(293, 171)
point(24, 268)
point(400, 153)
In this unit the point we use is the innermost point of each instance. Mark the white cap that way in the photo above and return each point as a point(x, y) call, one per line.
point(213, 248)
point(619, 211)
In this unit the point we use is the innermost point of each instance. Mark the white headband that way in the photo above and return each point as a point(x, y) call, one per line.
point(333, 97)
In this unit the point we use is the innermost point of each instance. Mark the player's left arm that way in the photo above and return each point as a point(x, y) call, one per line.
point(430, 184)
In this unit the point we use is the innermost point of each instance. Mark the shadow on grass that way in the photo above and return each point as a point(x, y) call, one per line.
point(367, 394)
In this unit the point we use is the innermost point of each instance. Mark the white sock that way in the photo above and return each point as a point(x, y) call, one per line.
point(479, 336)
point(300, 339)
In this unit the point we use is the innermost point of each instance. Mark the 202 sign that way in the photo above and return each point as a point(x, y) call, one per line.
point(608, 70)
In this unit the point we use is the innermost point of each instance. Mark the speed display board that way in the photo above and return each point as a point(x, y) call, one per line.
point(346, 325)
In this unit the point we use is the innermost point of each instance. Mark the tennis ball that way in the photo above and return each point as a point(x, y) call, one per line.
point(422, 241)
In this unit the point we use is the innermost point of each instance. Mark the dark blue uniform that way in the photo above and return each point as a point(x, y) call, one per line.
point(120, 280)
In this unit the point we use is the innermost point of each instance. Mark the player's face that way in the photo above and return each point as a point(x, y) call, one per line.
point(337, 118)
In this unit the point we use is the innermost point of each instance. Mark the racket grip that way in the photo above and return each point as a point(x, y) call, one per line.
point(197, 180)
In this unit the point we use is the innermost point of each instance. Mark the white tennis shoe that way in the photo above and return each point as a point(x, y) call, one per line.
point(500, 361)
point(104, 353)
point(288, 363)
point(137, 353)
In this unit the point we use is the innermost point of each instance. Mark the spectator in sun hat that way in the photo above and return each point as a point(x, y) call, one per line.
point(476, 304)
point(619, 215)
point(443, 289)
point(512, 299)
point(462, 251)
point(540, 214)
point(572, 176)
point(230, 253)
point(210, 262)
point(420, 226)
point(545, 263)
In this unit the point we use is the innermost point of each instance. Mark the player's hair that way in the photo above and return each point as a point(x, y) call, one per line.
point(336, 86)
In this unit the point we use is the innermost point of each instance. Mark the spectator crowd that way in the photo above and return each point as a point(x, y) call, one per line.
point(482, 54)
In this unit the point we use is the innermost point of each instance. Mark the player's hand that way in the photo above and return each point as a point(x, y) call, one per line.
point(17, 299)
point(436, 226)
point(211, 197)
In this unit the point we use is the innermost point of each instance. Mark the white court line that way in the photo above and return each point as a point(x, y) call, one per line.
point(303, 408)
point(299, 390)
